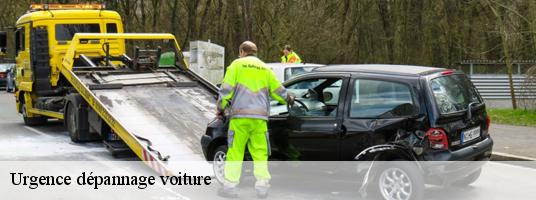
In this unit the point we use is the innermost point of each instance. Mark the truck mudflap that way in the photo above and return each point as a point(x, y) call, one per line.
point(160, 115)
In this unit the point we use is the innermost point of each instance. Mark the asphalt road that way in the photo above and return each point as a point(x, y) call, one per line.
point(52, 143)
point(48, 142)
point(514, 140)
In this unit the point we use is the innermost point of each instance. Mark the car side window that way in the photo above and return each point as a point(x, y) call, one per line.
point(318, 97)
point(380, 99)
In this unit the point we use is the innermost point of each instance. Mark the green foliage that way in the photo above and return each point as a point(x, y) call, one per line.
point(513, 117)
point(438, 33)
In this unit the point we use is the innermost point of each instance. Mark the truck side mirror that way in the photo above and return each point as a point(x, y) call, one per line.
point(3, 42)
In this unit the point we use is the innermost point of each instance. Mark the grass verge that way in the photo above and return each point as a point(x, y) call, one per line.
point(519, 117)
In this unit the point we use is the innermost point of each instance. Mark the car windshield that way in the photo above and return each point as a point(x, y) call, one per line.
point(453, 93)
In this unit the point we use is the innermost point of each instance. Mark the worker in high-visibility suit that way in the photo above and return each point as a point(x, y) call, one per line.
point(246, 90)
point(289, 56)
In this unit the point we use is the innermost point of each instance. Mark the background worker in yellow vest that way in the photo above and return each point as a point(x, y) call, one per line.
point(290, 56)
point(246, 90)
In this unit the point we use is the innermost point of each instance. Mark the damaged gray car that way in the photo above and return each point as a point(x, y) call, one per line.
point(379, 113)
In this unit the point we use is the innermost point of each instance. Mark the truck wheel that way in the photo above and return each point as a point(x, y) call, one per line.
point(70, 123)
point(468, 180)
point(398, 180)
point(218, 162)
point(31, 121)
point(76, 120)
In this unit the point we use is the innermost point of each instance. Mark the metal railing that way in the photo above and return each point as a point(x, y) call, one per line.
point(497, 86)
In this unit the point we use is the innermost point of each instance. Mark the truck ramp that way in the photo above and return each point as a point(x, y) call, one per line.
point(170, 117)
point(159, 113)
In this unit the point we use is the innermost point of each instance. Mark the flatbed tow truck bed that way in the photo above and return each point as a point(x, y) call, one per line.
point(160, 115)
point(172, 118)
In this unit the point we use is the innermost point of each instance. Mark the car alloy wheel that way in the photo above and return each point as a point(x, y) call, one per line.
point(394, 183)
point(219, 165)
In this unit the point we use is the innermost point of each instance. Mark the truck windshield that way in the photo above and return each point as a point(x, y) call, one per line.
point(453, 93)
point(65, 32)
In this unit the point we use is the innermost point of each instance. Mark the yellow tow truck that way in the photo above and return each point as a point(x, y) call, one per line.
point(75, 64)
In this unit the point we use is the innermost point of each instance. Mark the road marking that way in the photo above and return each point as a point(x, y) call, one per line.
point(514, 156)
point(37, 131)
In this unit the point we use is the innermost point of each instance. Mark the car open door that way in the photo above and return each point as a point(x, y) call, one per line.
point(312, 129)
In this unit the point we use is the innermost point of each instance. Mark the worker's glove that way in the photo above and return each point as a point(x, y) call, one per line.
point(290, 99)
point(219, 114)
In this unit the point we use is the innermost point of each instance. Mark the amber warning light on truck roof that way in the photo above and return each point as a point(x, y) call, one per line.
point(92, 6)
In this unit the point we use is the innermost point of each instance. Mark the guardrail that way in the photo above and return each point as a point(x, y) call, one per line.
point(497, 86)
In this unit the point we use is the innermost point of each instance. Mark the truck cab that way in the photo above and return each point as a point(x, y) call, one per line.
point(42, 37)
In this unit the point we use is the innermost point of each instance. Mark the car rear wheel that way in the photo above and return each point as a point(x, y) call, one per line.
point(218, 162)
point(398, 180)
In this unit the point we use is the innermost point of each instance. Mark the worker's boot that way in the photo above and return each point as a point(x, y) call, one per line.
point(261, 188)
point(228, 190)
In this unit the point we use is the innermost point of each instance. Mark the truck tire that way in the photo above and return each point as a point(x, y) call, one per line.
point(31, 121)
point(76, 120)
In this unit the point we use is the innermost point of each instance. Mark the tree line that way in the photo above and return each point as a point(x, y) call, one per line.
point(423, 32)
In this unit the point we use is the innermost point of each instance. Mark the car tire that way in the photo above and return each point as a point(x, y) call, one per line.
point(218, 162)
point(31, 121)
point(402, 177)
point(468, 180)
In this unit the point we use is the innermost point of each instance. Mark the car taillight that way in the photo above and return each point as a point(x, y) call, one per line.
point(437, 138)
point(2, 75)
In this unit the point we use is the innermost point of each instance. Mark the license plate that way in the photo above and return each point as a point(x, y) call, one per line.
point(470, 134)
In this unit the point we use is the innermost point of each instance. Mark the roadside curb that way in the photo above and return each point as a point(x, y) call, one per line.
point(498, 156)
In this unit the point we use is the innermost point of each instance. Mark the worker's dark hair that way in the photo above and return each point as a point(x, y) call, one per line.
point(288, 47)
point(249, 48)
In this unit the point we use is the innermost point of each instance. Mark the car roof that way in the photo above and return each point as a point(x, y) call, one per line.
point(290, 65)
point(405, 70)
point(5, 66)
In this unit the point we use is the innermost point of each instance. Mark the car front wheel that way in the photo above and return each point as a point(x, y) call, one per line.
point(218, 162)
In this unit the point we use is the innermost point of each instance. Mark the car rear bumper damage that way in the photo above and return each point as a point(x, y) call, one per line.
point(480, 151)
